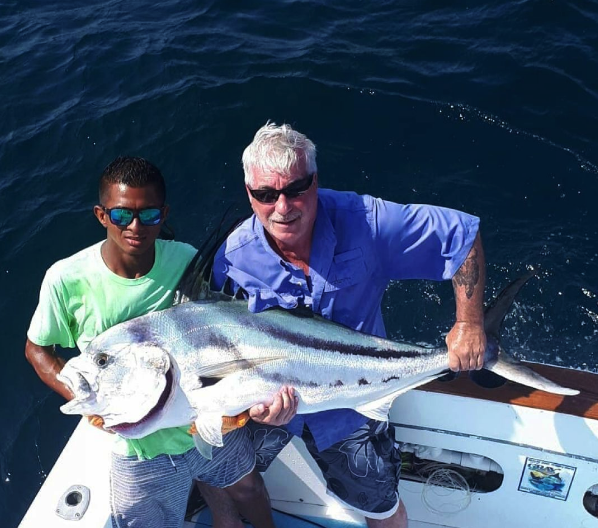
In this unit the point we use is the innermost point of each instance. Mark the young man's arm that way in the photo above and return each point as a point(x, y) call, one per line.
point(47, 364)
point(467, 340)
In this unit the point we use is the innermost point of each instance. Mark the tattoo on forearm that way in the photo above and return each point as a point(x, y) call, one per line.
point(468, 275)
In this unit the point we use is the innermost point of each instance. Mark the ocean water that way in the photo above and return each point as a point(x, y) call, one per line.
point(490, 107)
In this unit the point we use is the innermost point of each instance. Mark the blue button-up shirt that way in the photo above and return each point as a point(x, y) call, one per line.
point(359, 245)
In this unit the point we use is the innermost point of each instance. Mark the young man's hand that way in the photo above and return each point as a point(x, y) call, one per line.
point(229, 423)
point(98, 421)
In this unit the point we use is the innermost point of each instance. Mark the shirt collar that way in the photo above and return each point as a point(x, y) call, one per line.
point(258, 228)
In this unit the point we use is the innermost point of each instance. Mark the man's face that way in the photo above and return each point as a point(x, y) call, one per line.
point(289, 221)
point(134, 239)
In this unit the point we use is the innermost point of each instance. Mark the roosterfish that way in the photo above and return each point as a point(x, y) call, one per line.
point(208, 357)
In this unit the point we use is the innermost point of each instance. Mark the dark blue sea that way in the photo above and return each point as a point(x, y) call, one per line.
point(488, 106)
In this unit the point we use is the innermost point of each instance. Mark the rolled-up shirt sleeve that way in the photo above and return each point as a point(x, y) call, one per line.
point(421, 241)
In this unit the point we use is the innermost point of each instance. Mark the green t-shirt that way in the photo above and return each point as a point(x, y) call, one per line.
point(80, 298)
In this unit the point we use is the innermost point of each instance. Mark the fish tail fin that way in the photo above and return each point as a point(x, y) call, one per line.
point(498, 364)
point(495, 312)
point(513, 370)
point(205, 449)
point(195, 282)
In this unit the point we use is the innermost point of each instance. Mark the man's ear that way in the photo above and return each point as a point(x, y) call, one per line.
point(101, 215)
point(165, 212)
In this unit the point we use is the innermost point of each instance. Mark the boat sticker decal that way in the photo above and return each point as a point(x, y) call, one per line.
point(548, 479)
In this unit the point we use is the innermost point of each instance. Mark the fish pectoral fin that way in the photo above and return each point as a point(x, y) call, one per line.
point(209, 428)
point(221, 370)
point(205, 449)
point(378, 409)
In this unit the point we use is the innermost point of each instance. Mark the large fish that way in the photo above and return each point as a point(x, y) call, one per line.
point(199, 361)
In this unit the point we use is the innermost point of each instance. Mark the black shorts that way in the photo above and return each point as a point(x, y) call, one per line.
point(362, 470)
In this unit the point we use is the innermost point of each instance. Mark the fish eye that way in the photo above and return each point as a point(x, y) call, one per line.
point(101, 360)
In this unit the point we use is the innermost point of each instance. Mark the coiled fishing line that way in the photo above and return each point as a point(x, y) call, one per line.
point(446, 492)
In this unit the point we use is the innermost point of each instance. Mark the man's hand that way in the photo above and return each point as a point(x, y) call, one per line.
point(229, 423)
point(98, 421)
point(466, 344)
point(280, 412)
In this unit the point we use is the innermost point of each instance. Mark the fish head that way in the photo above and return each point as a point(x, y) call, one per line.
point(120, 380)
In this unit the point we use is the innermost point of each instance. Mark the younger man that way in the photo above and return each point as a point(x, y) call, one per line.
point(129, 274)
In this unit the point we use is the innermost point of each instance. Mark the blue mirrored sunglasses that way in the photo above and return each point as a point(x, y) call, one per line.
point(122, 217)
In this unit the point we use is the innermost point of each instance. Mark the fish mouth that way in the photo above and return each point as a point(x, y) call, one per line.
point(81, 390)
point(125, 427)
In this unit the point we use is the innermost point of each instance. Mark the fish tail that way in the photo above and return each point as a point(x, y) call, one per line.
point(513, 370)
point(498, 365)
point(496, 311)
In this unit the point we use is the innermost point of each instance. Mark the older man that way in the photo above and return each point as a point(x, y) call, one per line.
point(336, 252)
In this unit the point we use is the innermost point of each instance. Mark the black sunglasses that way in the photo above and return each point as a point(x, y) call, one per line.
point(122, 217)
point(270, 196)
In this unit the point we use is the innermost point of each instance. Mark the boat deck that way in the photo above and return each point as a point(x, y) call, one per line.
point(285, 520)
point(508, 432)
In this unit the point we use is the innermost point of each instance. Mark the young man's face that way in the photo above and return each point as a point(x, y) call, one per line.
point(134, 239)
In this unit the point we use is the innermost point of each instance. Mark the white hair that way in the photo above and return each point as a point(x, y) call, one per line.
point(278, 149)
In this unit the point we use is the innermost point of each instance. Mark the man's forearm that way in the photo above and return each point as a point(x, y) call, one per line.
point(469, 283)
point(47, 364)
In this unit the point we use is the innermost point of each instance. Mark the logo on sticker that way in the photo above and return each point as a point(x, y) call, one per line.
point(548, 479)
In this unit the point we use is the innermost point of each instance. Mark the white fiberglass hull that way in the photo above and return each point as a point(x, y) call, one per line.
point(542, 462)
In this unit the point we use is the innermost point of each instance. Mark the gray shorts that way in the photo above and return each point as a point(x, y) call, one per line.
point(229, 463)
point(362, 470)
point(153, 493)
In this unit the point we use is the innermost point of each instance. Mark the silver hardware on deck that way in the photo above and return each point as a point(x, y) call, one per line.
point(73, 503)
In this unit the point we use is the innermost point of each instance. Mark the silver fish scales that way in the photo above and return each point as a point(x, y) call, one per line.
point(202, 360)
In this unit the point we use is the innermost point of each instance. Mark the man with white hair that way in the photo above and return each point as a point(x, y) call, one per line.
point(335, 253)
